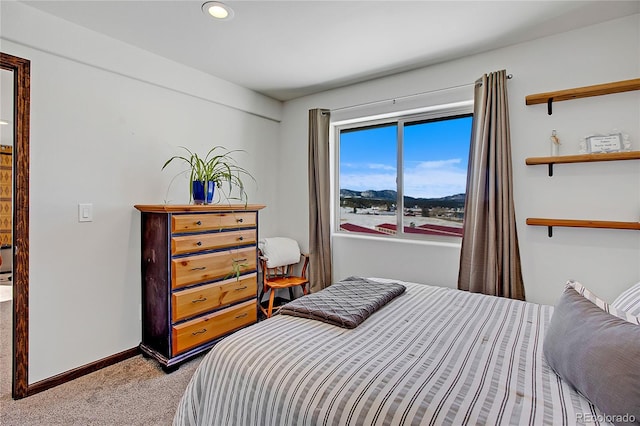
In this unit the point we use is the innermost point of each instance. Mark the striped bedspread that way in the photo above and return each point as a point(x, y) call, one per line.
point(432, 356)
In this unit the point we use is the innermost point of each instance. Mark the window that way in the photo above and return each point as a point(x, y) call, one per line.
point(425, 199)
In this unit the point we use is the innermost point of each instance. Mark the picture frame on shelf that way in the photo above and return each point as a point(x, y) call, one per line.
point(603, 144)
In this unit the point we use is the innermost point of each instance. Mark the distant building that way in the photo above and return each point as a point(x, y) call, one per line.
point(426, 229)
point(350, 227)
point(391, 229)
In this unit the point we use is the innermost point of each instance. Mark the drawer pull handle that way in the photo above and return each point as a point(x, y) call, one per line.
point(201, 299)
point(201, 268)
point(240, 260)
point(195, 333)
point(199, 243)
point(199, 222)
point(240, 288)
point(240, 238)
point(240, 220)
point(241, 315)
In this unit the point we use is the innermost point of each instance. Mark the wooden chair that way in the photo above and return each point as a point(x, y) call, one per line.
point(275, 276)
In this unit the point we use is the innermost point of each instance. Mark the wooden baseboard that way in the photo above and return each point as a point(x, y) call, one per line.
point(81, 371)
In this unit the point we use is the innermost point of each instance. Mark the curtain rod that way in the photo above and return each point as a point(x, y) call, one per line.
point(509, 77)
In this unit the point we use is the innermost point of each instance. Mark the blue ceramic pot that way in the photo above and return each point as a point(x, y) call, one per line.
point(202, 191)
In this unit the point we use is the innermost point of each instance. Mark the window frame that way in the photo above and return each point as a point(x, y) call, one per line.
point(400, 119)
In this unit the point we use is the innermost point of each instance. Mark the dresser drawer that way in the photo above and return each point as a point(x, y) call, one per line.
point(206, 267)
point(194, 301)
point(212, 222)
point(199, 242)
point(195, 332)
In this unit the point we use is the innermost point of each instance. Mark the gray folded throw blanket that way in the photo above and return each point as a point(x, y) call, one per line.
point(346, 303)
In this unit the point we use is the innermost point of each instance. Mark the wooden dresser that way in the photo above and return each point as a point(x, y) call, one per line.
point(199, 277)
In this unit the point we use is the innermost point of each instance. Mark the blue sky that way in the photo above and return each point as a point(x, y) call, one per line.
point(435, 158)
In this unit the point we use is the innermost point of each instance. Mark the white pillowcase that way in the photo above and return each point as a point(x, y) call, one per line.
point(629, 300)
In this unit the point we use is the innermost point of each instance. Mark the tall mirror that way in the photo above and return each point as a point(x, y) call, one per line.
point(14, 220)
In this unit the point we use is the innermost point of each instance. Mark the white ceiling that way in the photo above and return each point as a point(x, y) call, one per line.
point(287, 49)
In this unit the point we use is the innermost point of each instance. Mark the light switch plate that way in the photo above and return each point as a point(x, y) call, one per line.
point(85, 212)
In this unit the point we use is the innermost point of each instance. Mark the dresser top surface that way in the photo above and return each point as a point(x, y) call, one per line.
point(196, 208)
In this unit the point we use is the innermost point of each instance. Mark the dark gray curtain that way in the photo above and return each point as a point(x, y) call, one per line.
point(490, 258)
point(319, 193)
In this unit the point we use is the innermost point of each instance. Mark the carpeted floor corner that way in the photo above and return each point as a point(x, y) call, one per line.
point(133, 392)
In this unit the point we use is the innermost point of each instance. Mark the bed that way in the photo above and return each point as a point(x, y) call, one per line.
point(431, 356)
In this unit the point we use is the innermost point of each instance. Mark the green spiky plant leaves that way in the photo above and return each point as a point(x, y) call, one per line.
point(217, 166)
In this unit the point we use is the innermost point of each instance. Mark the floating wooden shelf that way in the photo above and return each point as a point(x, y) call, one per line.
point(565, 95)
point(573, 223)
point(582, 158)
point(582, 92)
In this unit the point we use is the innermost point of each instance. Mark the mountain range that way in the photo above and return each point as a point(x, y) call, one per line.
point(390, 196)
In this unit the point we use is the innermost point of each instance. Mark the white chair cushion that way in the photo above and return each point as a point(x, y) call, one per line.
point(279, 251)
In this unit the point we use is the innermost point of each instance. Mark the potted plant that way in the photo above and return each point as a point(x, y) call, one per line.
point(216, 169)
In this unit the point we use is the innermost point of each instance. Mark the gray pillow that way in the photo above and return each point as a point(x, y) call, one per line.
point(597, 353)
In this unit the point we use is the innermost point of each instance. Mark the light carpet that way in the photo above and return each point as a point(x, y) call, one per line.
point(133, 392)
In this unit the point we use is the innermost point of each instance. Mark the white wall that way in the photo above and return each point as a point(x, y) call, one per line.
point(104, 118)
point(607, 261)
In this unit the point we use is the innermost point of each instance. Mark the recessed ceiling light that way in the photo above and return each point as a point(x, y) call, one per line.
point(218, 10)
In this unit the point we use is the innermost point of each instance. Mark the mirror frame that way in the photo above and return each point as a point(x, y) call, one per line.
point(21, 69)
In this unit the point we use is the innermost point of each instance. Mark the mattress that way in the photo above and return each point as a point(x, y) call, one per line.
point(431, 356)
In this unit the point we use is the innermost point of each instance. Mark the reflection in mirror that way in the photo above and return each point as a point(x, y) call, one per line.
point(6, 107)
point(6, 215)
point(6, 181)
